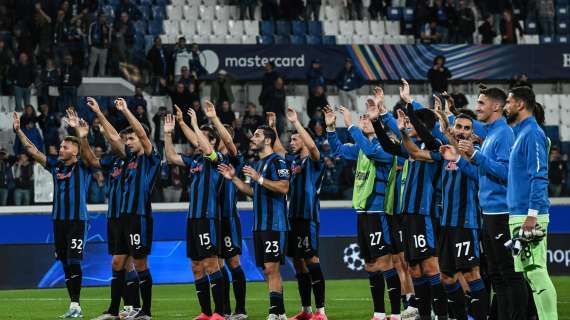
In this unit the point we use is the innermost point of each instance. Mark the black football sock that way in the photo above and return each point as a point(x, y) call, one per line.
point(394, 290)
point(439, 298)
point(217, 287)
point(376, 280)
point(276, 304)
point(318, 283)
point(304, 286)
point(239, 286)
point(75, 278)
point(117, 284)
point(132, 291)
point(203, 293)
point(422, 299)
point(479, 299)
point(67, 273)
point(456, 300)
point(145, 286)
point(227, 283)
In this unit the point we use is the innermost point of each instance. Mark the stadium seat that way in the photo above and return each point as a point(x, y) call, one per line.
point(565, 132)
point(360, 39)
point(267, 39)
point(279, 39)
point(188, 27)
point(315, 28)
point(191, 12)
point(361, 28)
point(140, 26)
point(204, 28)
point(314, 40)
point(283, 28)
point(531, 39)
point(236, 27)
point(171, 26)
point(158, 13)
point(165, 38)
point(174, 12)
point(329, 40)
point(266, 28)
point(561, 3)
point(392, 27)
point(565, 101)
point(561, 39)
point(377, 27)
point(178, 3)
point(299, 28)
point(161, 2)
point(552, 116)
point(155, 27)
point(346, 27)
point(341, 39)
point(217, 39)
point(248, 39)
point(233, 39)
point(331, 28)
point(251, 27)
point(332, 13)
point(206, 13)
point(531, 27)
point(546, 39)
point(222, 13)
point(194, 2)
point(376, 39)
point(408, 14)
point(200, 39)
point(562, 28)
point(562, 11)
point(149, 41)
point(298, 39)
point(553, 132)
point(146, 3)
point(220, 27)
point(394, 13)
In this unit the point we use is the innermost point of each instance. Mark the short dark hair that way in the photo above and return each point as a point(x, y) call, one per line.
point(495, 94)
point(212, 134)
point(129, 130)
point(269, 133)
point(526, 95)
point(468, 112)
point(74, 140)
point(464, 116)
point(426, 117)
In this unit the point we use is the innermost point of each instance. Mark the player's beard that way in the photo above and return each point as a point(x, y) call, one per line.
point(511, 117)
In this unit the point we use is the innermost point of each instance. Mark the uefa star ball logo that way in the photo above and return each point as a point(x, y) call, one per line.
point(210, 61)
point(352, 257)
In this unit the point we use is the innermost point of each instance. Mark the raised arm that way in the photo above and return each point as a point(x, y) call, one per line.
point(121, 105)
point(225, 136)
point(277, 185)
point(171, 156)
point(314, 152)
point(186, 130)
point(229, 173)
point(427, 138)
point(204, 143)
point(345, 151)
point(411, 147)
point(31, 149)
point(108, 130)
point(82, 131)
point(272, 122)
point(375, 111)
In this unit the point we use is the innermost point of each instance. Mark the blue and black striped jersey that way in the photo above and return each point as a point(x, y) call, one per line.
point(71, 184)
point(113, 167)
point(270, 208)
point(306, 180)
point(422, 191)
point(228, 199)
point(205, 185)
point(140, 174)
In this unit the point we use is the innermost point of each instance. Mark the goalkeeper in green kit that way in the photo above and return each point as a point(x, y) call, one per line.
point(527, 198)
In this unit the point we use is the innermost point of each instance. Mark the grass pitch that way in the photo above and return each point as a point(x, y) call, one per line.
point(346, 299)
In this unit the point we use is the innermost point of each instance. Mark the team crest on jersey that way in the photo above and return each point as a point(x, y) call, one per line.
point(196, 169)
point(133, 165)
point(283, 173)
point(63, 176)
point(116, 172)
point(451, 166)
point(296, 169)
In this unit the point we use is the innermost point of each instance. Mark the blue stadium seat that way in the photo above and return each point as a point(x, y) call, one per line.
point(265, 39)
point(314, 39)
point(161, 2)
point(299, 28)
point(158, 13)
point(298, 39)
point(409, 14)
point(553, 132)
point(145, 12)
point(315, 28)
point(561, 39)
point(531, 27)
point(562, 28)
point(562, 11)
point(148, 42)
point(139, 41)
point(146, 3)
point(561, 3)
point(546, 39)
point(329, 40)
point(283, 28)
point(155, 27)
point(266, 28)
point(408, 28)
point(394, 13)
point(109, 10)
point(282, 39)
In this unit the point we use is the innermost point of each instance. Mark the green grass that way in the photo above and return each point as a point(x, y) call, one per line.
point(346, 299)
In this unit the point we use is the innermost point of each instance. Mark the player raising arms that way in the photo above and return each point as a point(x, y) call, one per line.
point(303, 241)
point(270, 184)
point(71, 177)
point(372, 170)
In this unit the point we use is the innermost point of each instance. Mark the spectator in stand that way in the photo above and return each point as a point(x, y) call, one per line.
point(377, 9)
point(268, 81)
point(196, 68)
point(97, 188)
point(156, 58)
point(6, 61)
point(22, 41)
point(313, 10)
point(60, 29)
point(557, 171)
point(316, 127)
point(348, 81)
point(441, 15)
point(429, 33)
point(49, 84)
point(6, 18)
point(99, 41)
point(269, 10)
point(247, 6)
point(251, 120)
point(354, 9)
point(438, 75)
point(42, 24)
point(274, 101)
point(29, 115)
point(22, 77)
point(136, 100)
point(124, 38)
point(197, 106)
point(5, 176)
point(495, 8)
point(317, 101)
point(23, 173)
point(126, 6)
point(142, 115)
point(422, 15)
point(487, 30)
point(459, 99)
point(189, 80)
point(509, 27)
point(183, 98)
point(179, 57)
point(171, 182)
point(315, 76)
point(519, 80)
point(465, 23)
point(221, 90)
point(330, 187)
point(49, 123)
point(227, 115)
point(291, 10)
point(77, 41)
point(70, 81)
point(96, 137)
point(158, 121)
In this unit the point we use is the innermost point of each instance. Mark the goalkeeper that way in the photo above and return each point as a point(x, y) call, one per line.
point(527, 198)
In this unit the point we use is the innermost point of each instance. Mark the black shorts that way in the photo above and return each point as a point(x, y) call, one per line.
point(373, 234)
point(494, 234)
point(118, 240)
point(420, 235)
point(137, 234)
point(69, 240)
point(269, 246)
point(397, 232)
point(202, 238)
point(459, 250)
point(231, 238)
point(303, 239)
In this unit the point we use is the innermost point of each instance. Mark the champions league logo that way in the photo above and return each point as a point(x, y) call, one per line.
point(352, 258)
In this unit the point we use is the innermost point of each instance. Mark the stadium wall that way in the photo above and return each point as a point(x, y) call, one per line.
point(26, 249)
